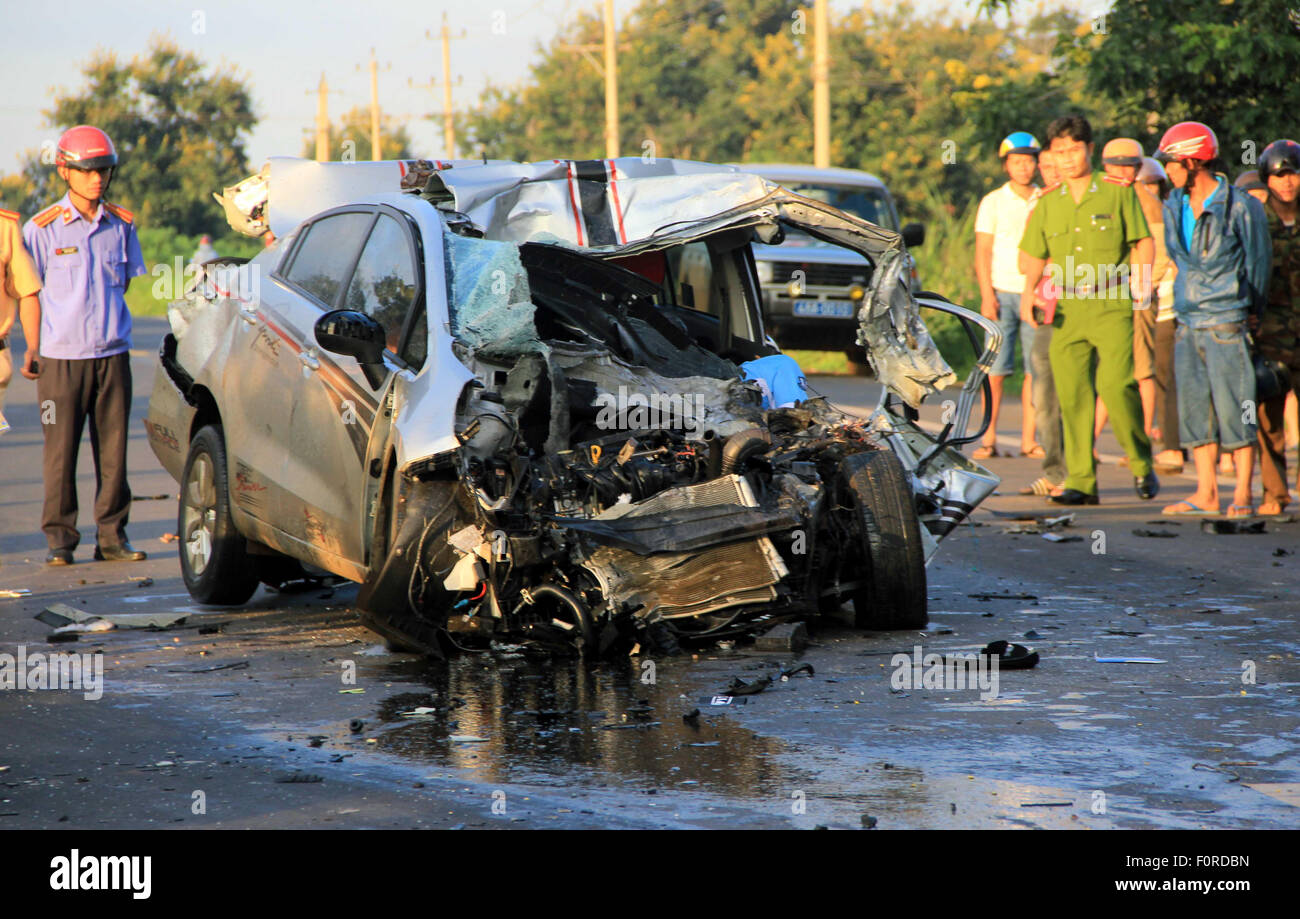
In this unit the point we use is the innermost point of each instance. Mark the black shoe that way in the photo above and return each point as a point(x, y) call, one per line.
point(1073, 496)
point(59, 557)
point(1147, 486)
point(122, 553)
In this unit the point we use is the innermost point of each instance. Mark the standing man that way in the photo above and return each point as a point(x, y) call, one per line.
point(1153, 183)
point(1122, 158)
point(86, 252)
point(1089, 228)
point(1218, 238)
point(999, 224)
point(1047, 409)
point(1279, 329)
point(18, 281)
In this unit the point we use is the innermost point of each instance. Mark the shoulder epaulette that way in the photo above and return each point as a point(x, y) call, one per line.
point(10, 215)
point(1117, 180)
point(46, 217)
point(120, 212)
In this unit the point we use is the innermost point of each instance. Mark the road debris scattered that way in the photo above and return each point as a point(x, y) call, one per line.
point(788, 636)
point(1011, 656)
point(236, 665)
point(738, 687)
point(1231, 527)
point(1127, 660)
point(168, 537)
point(295, 778)
point(14, 593)
point(1155, 534)
point(61, 615)
point(986, 597)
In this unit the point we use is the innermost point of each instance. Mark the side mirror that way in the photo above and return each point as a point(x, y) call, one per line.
point(354, 334)
point(913, 234)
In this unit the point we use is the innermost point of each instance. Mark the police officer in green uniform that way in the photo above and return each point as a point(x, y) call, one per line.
point(1093, 230)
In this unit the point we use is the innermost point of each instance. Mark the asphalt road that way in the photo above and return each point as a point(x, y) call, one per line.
point(204, 724)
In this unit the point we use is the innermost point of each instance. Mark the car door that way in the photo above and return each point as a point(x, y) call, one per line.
point(338, 413)
point(311, 281)
point(258, 393)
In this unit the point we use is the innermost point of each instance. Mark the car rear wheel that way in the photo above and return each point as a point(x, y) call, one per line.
point(214, 560)
point(876, 495)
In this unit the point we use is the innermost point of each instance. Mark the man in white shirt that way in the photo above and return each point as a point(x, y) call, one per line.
point(999, 225)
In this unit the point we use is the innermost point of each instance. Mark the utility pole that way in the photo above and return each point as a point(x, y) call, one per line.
point(609, 73)
point(821, 89)
point(611, 85)
point(322, 121)
point(376, 145)
point(448, 112)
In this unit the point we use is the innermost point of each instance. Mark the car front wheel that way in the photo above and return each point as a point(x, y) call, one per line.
point(878, 499)
point(214, 561)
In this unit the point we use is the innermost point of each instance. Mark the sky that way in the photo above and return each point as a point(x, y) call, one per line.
point(282, 46)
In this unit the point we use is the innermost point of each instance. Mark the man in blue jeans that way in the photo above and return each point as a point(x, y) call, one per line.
point(1218, 238)
point(999, 224)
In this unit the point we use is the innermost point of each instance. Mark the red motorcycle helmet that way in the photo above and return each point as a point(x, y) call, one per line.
point(1188, 140)
point(85, 147)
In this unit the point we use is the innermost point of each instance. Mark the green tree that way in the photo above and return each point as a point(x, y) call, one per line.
point(694, 83)
point(920, 100)
point(1231, 65)
point(350, 138)
point(180, 132)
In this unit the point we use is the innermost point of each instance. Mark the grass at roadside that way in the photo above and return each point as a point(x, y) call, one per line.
point(166, 253)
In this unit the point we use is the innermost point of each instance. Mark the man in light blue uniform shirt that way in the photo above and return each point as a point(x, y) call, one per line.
point(79, 339)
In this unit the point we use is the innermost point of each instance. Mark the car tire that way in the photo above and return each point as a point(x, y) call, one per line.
point(214, 561)
point(875, 490)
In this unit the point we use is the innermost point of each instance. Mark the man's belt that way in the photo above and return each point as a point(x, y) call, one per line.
point(1087, 290)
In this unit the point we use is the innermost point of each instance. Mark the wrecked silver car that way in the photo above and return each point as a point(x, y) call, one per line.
point(536, 402)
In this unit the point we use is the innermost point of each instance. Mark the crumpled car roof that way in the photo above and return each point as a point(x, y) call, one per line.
point(618, 207)
point(629, 205)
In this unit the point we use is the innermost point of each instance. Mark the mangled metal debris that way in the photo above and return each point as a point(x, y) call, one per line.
point(572, 431)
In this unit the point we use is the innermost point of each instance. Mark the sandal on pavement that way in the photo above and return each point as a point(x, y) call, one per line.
point(1272, 508)
point(1040, 486)
point(1034, 452)
point(1168, 468)
point(987, 451)
point(1241, 510)
point(1188, 509)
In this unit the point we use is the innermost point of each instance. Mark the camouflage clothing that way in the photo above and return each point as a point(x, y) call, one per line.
point(1279, 339)
point(1279, 328)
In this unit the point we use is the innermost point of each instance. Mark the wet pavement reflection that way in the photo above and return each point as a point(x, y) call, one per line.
point(552, 721)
